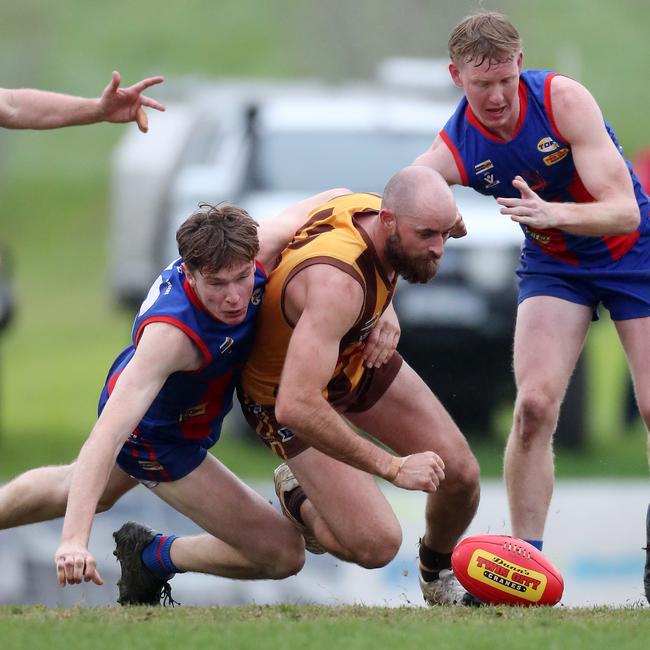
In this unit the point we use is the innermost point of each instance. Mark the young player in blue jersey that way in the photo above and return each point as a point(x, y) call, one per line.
point(27, 108)
point(163, 405)
point(537, 141)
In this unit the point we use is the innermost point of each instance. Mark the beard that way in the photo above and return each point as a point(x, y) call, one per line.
point(415, 270)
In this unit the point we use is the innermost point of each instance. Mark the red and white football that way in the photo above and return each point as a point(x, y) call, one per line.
point(503, 570)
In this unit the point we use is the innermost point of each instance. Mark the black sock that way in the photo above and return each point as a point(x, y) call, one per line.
point(432, 562)
point(293, 500)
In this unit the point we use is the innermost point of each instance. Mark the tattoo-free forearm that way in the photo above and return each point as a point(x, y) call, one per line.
point(89, 479)
point(39, 109)
point(315, 421)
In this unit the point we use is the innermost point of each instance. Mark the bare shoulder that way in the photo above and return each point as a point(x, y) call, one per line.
point(325, 291)
point(569, 92)
point(168, 348)
point(333, 282)
point(574, 108)
point(276, 233)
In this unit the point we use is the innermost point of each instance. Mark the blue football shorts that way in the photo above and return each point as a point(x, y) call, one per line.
point(153, 461)
point(151, 458)
point(622, 287)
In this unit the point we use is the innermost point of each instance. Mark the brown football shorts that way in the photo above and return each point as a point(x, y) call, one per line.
point(287, 444)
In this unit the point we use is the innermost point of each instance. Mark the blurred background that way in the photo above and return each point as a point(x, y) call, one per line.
point(56, 187)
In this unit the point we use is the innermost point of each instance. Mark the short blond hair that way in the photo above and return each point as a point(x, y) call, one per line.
point(486, 35)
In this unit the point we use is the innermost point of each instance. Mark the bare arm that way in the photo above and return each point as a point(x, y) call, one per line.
point(27, 108)
point(162, 350)
point(439, 157)
point(600, 167)
point(332, 301)
point(276, 233)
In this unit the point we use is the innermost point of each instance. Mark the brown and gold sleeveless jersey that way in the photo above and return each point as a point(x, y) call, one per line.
point(330, 236)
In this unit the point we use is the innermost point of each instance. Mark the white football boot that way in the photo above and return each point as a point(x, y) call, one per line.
point(446, 590)
point(285, 481)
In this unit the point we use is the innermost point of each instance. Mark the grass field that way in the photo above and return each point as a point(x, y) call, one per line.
point(316, 628)
point(54, 193)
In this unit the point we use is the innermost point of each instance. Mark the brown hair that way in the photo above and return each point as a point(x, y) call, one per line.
point(217, 237)
point(486, 35)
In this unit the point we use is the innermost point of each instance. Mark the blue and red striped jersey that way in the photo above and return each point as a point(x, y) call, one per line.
point(539, 154)
point(191, 405)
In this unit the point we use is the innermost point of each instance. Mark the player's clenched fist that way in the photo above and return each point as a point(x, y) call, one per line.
point(422, 471)
point(74, 563)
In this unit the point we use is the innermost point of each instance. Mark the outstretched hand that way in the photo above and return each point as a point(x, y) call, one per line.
point(126, 104)
point(530, 209)
point(75, 563)
point(423, 471)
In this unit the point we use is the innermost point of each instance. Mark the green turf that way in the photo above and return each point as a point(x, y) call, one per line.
point(313, 627)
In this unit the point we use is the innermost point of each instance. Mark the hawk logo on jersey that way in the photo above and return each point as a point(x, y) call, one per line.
point(256, 298)
point(547, 144)
point(226, 345)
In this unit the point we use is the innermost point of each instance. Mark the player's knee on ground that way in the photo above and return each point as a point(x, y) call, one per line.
point(536, 413)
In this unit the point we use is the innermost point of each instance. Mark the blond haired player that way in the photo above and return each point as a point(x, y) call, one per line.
point(537, 142)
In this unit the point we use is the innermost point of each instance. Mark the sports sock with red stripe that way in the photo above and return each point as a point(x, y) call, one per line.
point(156, 556)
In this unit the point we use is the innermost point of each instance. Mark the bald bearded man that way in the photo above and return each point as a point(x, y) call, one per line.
point(334, 281)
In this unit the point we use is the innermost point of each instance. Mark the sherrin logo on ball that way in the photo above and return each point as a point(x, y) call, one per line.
point(503, 570)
